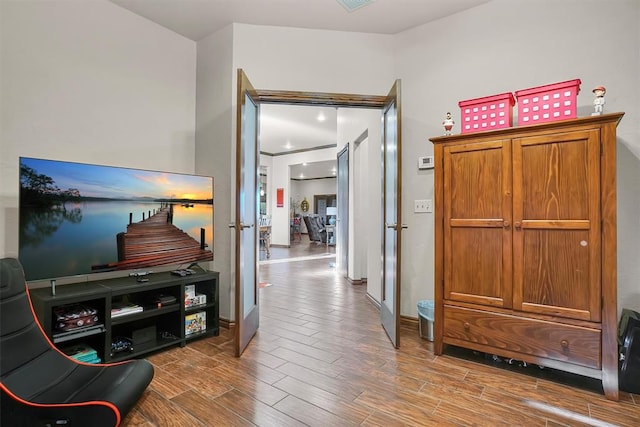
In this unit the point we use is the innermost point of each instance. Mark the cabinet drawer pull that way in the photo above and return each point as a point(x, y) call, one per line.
point(564, 344)
point(466, 326)
point(506, 224)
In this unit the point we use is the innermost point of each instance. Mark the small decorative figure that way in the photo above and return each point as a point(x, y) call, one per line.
point(448, 124)
point(598, 102)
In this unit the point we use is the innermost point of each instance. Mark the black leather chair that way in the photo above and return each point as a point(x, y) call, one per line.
point(41, 386)
point(315, 228)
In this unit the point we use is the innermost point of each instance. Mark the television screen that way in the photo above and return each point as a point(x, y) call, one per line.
point(78, 219)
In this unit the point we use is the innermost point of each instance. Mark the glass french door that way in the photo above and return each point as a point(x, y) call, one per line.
point(391, 215)
point(246, 216)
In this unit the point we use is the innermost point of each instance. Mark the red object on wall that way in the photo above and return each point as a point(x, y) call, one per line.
point(488, 113)
point(280, 197)
point(548, 103)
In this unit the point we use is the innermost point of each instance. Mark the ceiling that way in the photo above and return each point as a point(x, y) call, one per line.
point(293, 128)
point(298, 125)
point(196, 19)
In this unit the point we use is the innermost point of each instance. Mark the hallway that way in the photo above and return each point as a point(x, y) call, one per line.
point(299, 249)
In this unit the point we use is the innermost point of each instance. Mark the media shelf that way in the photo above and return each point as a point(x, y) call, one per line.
point(153, 315)
point(75, 334)
point(150, 312)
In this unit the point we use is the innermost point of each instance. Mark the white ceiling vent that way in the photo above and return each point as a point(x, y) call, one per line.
point(352, 5)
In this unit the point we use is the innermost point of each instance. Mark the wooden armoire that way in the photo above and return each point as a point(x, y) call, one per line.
point(525, 245)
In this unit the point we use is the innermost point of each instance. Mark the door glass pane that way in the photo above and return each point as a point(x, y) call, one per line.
point(390, 203)
point(249, 205)
point(342, 237)
point(263, 191)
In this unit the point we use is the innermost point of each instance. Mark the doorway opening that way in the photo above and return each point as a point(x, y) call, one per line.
point(246, 296)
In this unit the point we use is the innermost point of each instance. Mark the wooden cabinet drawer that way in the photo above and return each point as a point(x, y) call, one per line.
point(561, 342)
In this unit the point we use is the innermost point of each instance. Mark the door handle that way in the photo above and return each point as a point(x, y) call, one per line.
point(395, 226)
point(242, 226)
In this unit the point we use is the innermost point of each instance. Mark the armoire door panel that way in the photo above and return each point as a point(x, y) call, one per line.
point(475, 180)
point(477, 223)
point(556, 185)
point(555, 278)
point(557, 176)
point(481, 281)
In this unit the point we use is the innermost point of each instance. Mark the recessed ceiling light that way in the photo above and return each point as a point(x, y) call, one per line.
point(321, 117)
point(351, 5)
point(288, 145)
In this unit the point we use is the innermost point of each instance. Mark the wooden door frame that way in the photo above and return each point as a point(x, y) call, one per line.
point(320, 98)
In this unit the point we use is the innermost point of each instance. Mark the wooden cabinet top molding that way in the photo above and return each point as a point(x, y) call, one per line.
point(514, 132)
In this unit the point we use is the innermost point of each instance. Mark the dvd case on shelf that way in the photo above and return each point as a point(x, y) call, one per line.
point(195, 323)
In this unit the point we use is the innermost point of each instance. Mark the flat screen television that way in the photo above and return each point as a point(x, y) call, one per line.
point(80, 219)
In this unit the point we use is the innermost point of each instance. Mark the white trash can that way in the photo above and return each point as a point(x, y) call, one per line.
point(425, 318)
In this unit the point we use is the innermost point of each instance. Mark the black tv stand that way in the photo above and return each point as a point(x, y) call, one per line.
point(150, 315)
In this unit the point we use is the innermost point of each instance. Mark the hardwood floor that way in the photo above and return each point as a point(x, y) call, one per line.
point(321, 358)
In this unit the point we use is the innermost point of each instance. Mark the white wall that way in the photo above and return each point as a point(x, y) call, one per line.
point(215, 155)
point(314, 60)
point(90, 82)
point(505, 46)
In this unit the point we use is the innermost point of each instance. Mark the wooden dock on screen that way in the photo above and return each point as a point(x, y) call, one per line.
point(156, 241)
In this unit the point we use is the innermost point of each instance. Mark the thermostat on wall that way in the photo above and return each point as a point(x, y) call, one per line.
point(425, 162)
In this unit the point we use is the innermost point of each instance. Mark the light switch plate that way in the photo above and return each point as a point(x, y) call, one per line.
point(422, 206)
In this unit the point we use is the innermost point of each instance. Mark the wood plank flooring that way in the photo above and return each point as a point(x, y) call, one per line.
point(321, 358)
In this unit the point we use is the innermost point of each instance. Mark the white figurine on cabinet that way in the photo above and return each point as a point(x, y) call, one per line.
point(448, 124)
point(598, 102)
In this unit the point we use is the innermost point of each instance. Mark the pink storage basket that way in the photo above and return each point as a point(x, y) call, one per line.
point(490, 112)
point(556, 101)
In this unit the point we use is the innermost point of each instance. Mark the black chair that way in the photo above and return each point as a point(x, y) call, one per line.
point(40, 385)
point(315, 228)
